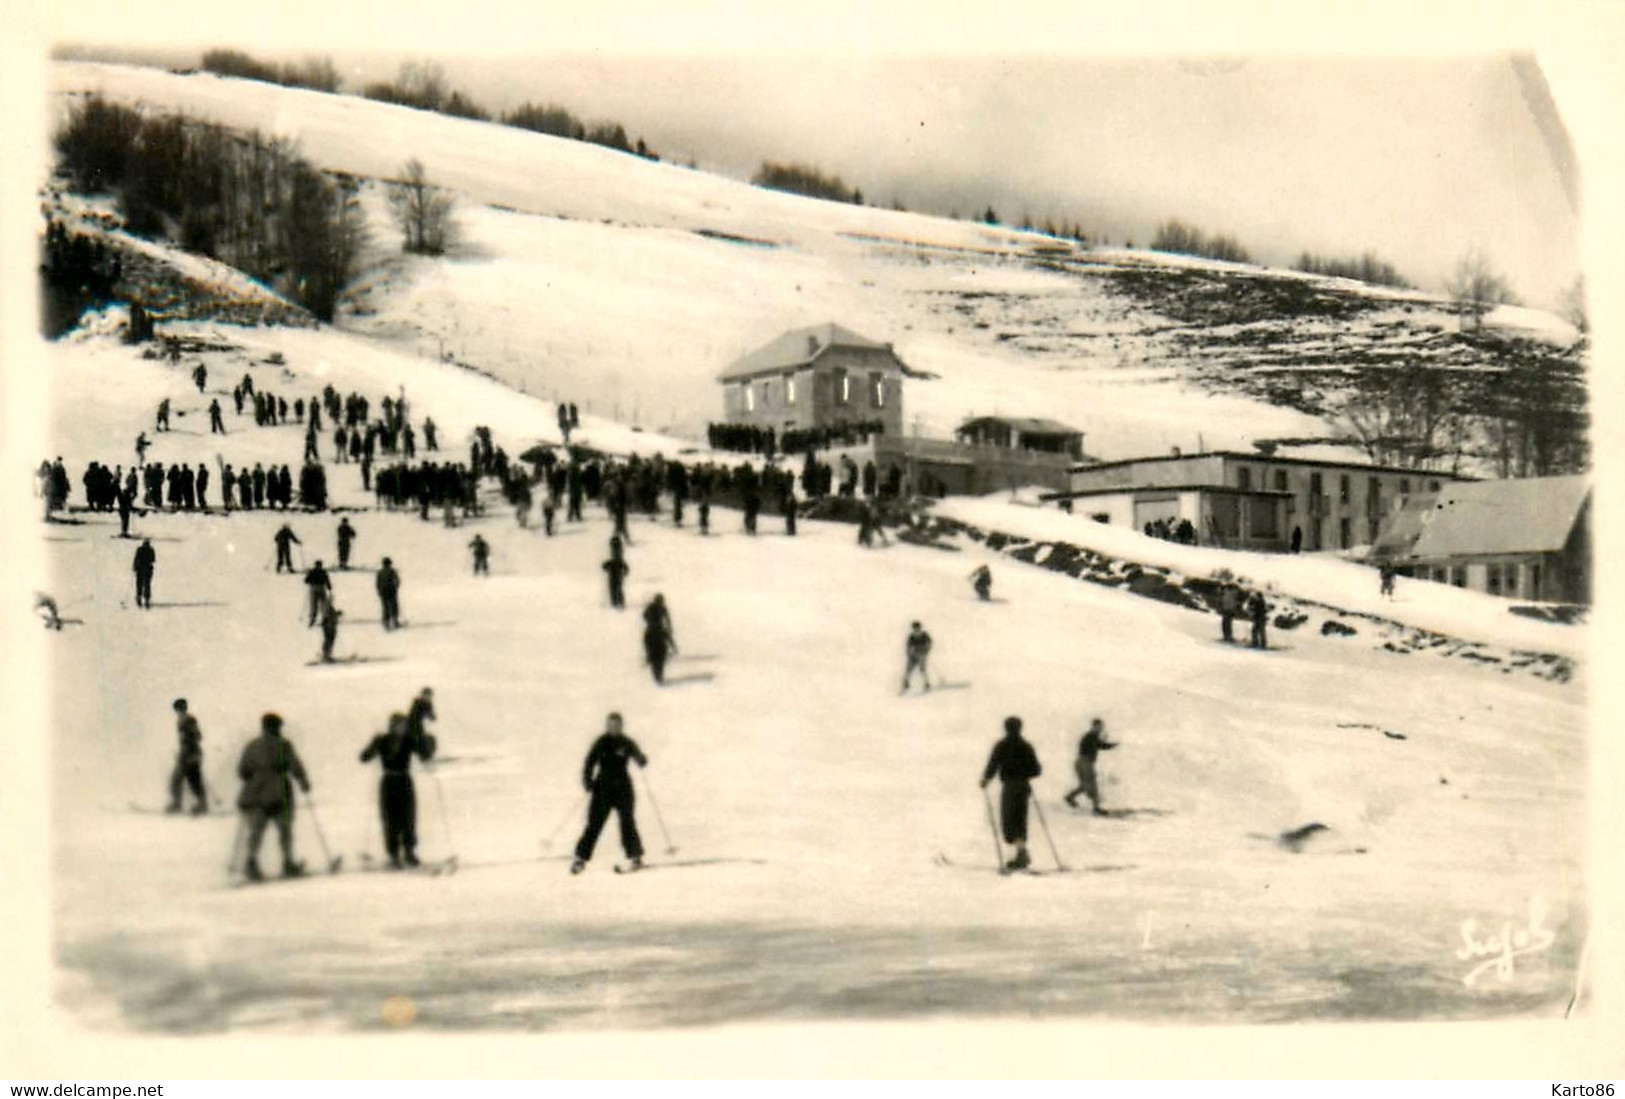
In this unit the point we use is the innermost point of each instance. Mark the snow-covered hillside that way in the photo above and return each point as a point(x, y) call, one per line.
point(813, 801)
point(628, 286)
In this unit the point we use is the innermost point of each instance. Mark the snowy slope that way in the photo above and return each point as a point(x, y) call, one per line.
point(781, 748)
point(627, 286)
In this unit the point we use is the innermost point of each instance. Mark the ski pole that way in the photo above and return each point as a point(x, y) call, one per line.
point(671, 848)
point(332, 863)
point(993, 828)
point(440, 797)
point(575, 811)
point(1059, 865)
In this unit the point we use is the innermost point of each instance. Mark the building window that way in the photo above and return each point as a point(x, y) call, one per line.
point(1433, 486)
point(1441, 574)
point(1509, 577)
point(1371, 531)
point(1244, 479)
point(843, 387)
point(767, 393)
point(750, 398)
point(1344, 487)
point(1280, 480)
point(1534, 581)
point(790, 389)
point(1458, 575)
point(1345, 533)
point(1492, 579)
point(877, 384)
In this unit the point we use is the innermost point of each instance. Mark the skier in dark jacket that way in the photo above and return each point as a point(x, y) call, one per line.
point(1258, 610)
point(388, 584)
point(321, 590)
point(1093, 743)
point(397, 797)
point(918, 651)
point(1016, 765)
point(616, 569)
point(330, 628)
point(346, 539)
point(285, 540)
point(658, 639)
point(146, 559)
point(266, 767)
point(606, 778)
point(482, 556)
point(217, 426)
point(188, 762)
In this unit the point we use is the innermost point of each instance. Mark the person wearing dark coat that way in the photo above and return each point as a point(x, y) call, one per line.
point(285, 539)
point(388, 583)
point(421, 711)
point(1258, 610)
point(1016, 765)
point(321, 591)
point(146, 559)
point(397, 797)
point(126, 502)
point(346, 539)
point(982, 581)
point(606, 778)
point(918, 651)
point(658, 640)
point(267, 765)
point(188, 763)
point(617, 569)
point(482, 556)
point(245, 489)
point(1297, 539)
point(330, 629)
point(259, 485)
point(217, 426)
point(203, 486)
point(1093, 743)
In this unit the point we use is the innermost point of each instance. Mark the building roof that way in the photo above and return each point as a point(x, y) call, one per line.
point(798, 347)
point(1526, 515)
point(1142, 490)
point(1025, 424)
point(1279, 459)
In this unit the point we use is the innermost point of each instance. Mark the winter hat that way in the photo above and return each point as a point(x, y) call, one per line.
point(271, 723)
point(180, 705)
point(1012, 725)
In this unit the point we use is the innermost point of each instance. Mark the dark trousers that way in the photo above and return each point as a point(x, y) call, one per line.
point(654, 648)
point(1225, 620)
point(398, 808)
point(284, 556)
point(1259, 641)
point(258, 818)
point(143, 589)
point(574, 514)
point(187, 773)
point(598, 809)
point(330, 634)
point(617, 593)
point(1013, 800)
point(344, 555)
point(390, 611)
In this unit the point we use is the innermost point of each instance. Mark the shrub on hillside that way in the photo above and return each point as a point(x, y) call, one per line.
point(1366, 268)
point(803, 179)
point(1175, 236)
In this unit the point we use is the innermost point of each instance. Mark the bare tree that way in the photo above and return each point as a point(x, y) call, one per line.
point(422, 210)
point(1478, 288)
point(1407, 415)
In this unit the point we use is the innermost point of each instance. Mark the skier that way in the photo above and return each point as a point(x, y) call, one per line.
point(397, 798)
point(346, 538)
point(321, 591)
point(982, 581)
point(658, 639)
point(146, 558)
point(200, 375)
point(429, 440)
point(217, 426)
point(1258, 610)
point(1093, 743)
point(284, 539)
point(267, 764)
point(482, 556)
point(606, 778)
point(389, 590)
point(188, 762)
point(617, 569)
point(918, 651)
point(330, 628)
point(141, 445)
point(310, 445)
point(52, 617)
point(1229, 607)
point(1016, 764)
point(163, 416)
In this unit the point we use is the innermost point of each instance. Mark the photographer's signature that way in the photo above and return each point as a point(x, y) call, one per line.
point(1499, 949)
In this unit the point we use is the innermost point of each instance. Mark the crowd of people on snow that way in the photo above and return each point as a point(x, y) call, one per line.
point(766, 441)
point(1183, 532)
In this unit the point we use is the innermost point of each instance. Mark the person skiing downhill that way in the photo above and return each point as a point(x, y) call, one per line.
point(918, 651)
point(982, 581)
point(658, 640)
point(346, 540)
point(285, 540)
point(321, 591)
point(1016, 765)
point(397, 797)
point(330, 629)
point(146, 559)
point(606, 778)
point(188, 762)
point(1093, 743)
point(388, 583)
point(267, 765)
